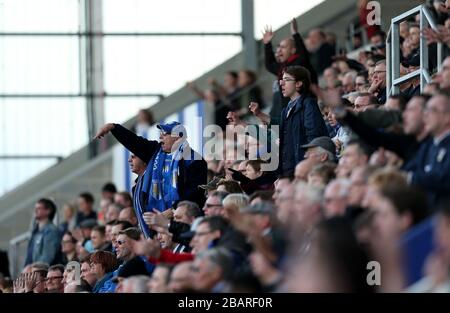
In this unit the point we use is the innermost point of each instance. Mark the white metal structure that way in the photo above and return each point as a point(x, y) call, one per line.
point(394, 80)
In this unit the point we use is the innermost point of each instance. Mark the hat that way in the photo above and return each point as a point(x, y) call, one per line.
point(413, 60)
point(212, 184)
point(262, 207)
point(173, 128)
point(323, 142)
point(89, 223)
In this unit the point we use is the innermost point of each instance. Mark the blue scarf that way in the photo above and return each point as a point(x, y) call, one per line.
point(161, 194)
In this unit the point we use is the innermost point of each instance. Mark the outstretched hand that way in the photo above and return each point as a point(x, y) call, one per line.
point(267, 34)
point(104, 130)
point(146, 247)
point(294, 27)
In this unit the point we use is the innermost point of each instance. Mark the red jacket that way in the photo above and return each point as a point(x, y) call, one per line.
point(167, 256)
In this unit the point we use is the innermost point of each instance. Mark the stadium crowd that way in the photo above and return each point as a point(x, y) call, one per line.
point(362, 176)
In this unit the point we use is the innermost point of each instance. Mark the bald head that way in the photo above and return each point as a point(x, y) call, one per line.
point(286, 49)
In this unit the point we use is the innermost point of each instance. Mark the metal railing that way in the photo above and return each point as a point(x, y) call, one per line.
point(394, 80)
point(17, 253)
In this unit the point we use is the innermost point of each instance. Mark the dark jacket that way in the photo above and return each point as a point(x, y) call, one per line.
point(4, 264)
point(411, 92)
point(405, 146)
point(380, 118)
point(431, 170)
point(81, 217)
point(322, 58)
point(382, 96)
point(191, 173)
point(304, 123)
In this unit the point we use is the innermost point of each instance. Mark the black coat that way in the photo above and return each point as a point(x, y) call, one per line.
point(322, 58)
point(191, 173)
point(304, 123)
point(431, 170)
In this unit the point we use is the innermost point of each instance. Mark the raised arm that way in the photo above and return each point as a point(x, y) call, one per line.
point(302, 51)
point(269, 57)
point(195, 90)
point(139, 146)
point(216, 86)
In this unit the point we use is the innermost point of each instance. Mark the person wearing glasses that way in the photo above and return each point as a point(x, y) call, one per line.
point(173, 174)
point(131, 264)
point(213, 205)
point(53, 282)
point(301, 120)
point(378, 87)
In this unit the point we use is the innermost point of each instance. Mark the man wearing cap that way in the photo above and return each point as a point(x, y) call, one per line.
point(211, 186)
point(319, 150)
point(174, 170)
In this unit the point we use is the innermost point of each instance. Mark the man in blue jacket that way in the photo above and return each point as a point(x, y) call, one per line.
point(173, 173)
point(301, 120)
point(44, 244)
